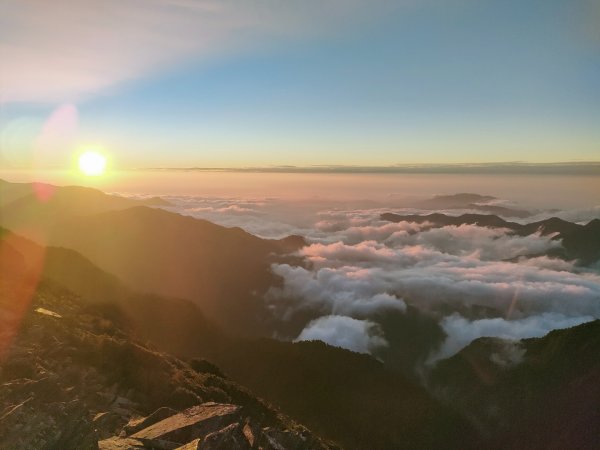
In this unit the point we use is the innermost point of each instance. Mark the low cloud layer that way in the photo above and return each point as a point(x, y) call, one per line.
point(474, 281)
point(347, 291)
point(360, 336)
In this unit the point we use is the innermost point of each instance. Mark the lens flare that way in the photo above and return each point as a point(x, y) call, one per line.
point(92, 163)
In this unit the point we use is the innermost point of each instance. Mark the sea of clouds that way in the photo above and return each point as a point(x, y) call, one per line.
point(359, 268)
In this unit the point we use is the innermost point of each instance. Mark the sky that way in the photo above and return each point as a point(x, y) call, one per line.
point(259, 83)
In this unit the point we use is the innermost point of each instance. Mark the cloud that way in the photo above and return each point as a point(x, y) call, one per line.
point(545, 262)
point(462, 331)
point(231, 209)
point(428, 280)
point(365, 269)
point(510, 353)
point(360, 336)
point(268, 218)
point(485, 243)
point(386, 232)
point(461, 269)
point(61, 50)
point(367, 251)
point(348, 291)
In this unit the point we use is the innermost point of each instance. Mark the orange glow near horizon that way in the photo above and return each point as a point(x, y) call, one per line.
point(545, 191)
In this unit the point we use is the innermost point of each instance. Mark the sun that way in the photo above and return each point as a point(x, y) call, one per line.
point(92, 163)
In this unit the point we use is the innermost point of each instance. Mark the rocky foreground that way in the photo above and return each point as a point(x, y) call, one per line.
point(151, 351)
point(74, 380)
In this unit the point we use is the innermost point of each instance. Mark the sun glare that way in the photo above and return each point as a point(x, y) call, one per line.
point(92, 163)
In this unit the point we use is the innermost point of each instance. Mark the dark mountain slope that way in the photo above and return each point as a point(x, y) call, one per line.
point(32, 208)
point(75, 380)
point(549, 226)
point(583, 244)
point(72, 374)
point(153, 251)
point(537, 394)
point(174, 323)
point(348, 397)
point(224, 270)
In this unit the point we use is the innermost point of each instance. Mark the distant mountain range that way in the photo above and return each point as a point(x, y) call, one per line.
point(225, 270)
point(470, 201)
point(580, 242)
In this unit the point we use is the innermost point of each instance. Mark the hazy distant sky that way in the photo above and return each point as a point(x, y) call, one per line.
point(256, 83)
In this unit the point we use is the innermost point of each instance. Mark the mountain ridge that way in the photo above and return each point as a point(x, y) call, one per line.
point(580, 242)
point(534, 393)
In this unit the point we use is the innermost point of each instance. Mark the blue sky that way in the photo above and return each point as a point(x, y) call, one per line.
point(371, 83)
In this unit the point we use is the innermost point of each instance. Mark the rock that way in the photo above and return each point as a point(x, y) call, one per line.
point(107, 423)
point(193, 445)
point(276, 439)
point(138, 424)
point(230, 437)
point(123, 402)
point(159, 444)
point(247, 430)
point(47, 312)
point(63, 386)
point(194, 422)
point(118, 443)
point(123, 407)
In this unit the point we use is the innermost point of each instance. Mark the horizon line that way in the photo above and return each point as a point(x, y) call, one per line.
point(507, 167)
point(512, 167)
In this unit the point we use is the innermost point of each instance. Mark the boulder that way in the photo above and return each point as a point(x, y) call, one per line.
point(138, 424)
point(119, 443)
point(193, 445)
point(277, 439)
point(107, 423)
point(195, 422)
point(230, 437)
